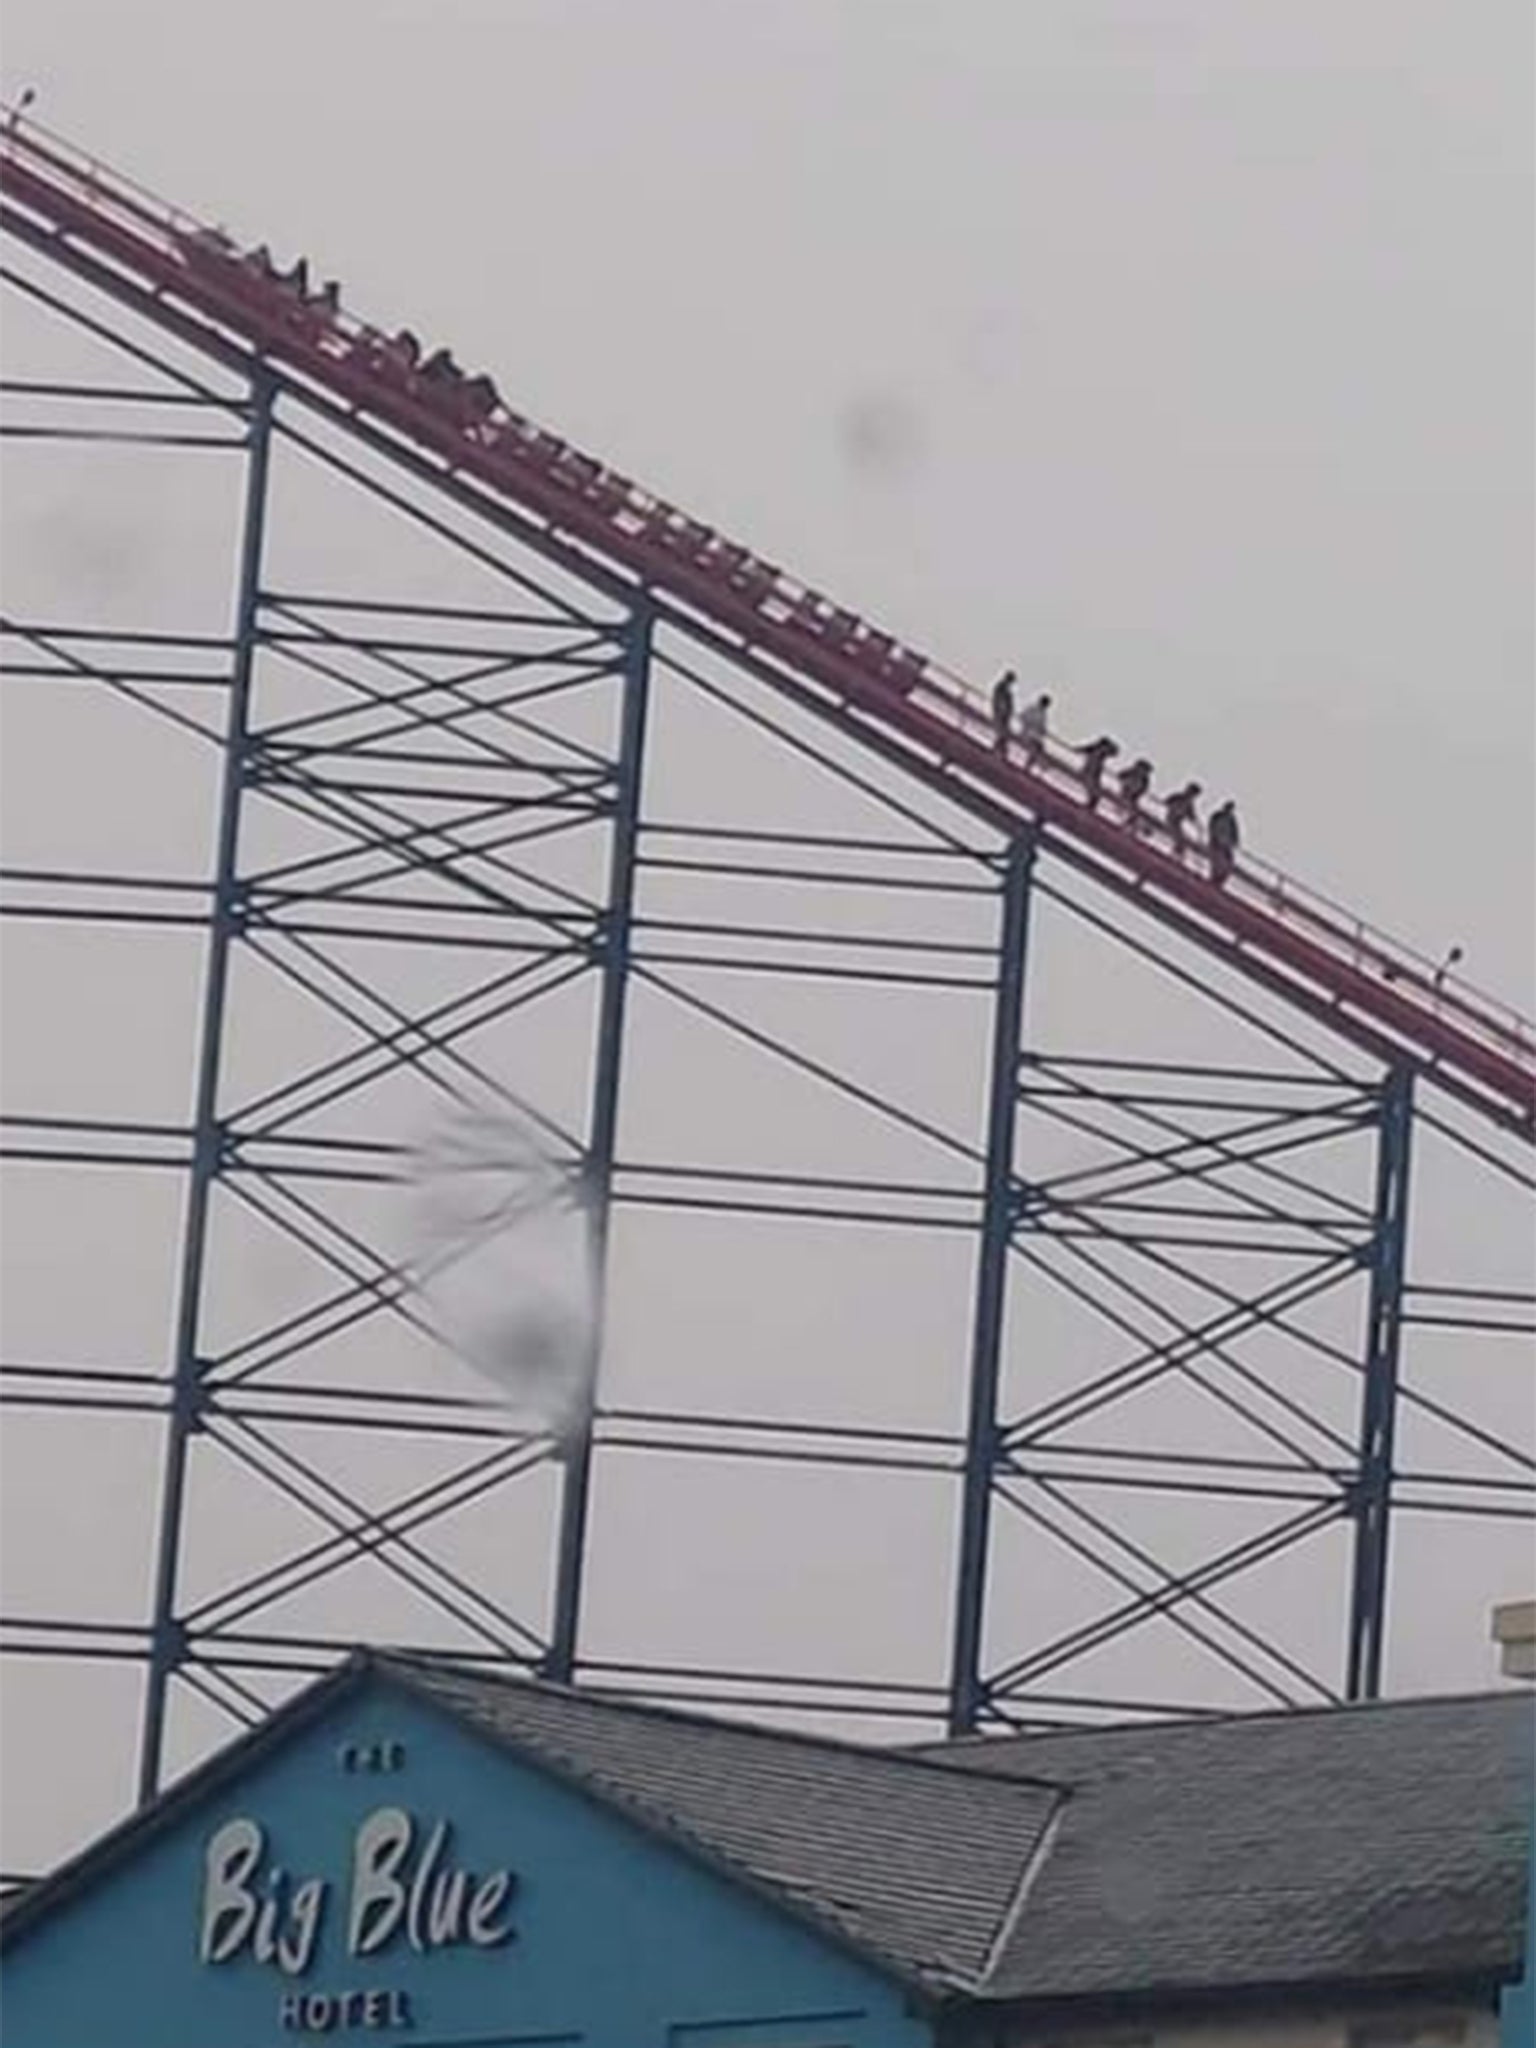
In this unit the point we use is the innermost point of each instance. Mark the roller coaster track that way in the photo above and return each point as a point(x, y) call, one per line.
point(1393, 1002)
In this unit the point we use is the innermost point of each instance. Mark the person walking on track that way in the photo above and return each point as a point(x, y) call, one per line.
point(1134, 782)
point(1034, 721)
point(1096, 756)
point(1179, 809)
point(1223, 838)
point(1002, 708)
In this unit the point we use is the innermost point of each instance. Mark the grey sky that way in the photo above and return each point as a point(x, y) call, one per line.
point(1177, 353)
point(1212, 326)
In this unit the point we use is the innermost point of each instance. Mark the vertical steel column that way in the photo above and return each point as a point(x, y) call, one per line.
point(166, 1646)
point(965, 1682)
point(623, 862)
point(1372, 1502)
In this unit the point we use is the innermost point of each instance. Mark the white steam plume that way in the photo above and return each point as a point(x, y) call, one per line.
point(503, 1255)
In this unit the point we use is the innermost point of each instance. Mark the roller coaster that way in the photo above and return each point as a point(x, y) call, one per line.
point(625, 566)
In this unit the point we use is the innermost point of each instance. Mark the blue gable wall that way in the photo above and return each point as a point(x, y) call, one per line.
point(617, 1941)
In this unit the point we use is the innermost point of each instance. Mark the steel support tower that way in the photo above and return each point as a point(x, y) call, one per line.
point(1013, 1305)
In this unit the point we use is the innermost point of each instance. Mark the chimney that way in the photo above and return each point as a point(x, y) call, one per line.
point(1514, 1630)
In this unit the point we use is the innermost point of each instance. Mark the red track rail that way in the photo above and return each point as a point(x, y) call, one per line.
point(1373, 989)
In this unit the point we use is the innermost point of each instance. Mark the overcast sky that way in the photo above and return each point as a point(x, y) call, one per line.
point(1177, 353)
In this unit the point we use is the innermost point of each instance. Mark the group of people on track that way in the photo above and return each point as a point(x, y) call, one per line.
point(473, 397)
point(476, 398)
point(1030, 727)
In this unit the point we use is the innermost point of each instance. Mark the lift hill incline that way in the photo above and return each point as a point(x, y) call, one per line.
point(1379, 993)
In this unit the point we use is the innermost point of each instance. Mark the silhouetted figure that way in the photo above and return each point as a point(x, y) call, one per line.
point(480, 397)
point(1454, 954)
point(475, 400)
point(1002, 707)
point(441, 369)
point(297, 279)
point(328, 299)
point(259, 261)
point(1223, 838)
point(1134, 783)
point(1179, 808)
point(1096, 756)
point(1034, 721)
point(405, 348)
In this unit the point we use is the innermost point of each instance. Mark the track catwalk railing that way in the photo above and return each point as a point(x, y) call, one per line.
point(1370, 987)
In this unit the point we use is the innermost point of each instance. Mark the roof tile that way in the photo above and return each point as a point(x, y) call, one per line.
point(1376, 1842)
point(917, 1865)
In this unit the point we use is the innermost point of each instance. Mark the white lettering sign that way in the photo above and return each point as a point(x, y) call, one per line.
point(281, 1928)
point(405, 1888)
point(321, 2012)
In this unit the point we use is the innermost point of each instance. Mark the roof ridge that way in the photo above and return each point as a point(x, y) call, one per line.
point(802, 1899)
point(655, 1710)
point(1013, 1912)
point(1238, 1717)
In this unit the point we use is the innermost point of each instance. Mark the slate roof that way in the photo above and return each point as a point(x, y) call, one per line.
point(915, 1865)
point(1364, 1846)
point(1371, 1844)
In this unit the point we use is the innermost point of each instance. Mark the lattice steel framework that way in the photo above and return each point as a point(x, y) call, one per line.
point(918, 1164)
